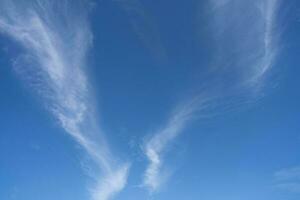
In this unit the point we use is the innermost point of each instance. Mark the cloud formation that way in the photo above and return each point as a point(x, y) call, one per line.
point(245, 46)
point(56, 37)
point(288, 179)
point(245, 38)
point(155, 147)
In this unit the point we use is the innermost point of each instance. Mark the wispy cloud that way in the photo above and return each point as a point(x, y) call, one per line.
point(246, 38)
point(288, 179)
point(245, 48)
point(56, 37)
point(155, 147)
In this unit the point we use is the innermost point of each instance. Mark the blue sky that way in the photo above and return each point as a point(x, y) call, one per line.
point(134, 99)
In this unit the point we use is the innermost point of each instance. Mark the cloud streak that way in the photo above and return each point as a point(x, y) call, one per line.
point(156, 146)
point(245, 46)
point(288, 179)
point(56, 37)
point(245, 35)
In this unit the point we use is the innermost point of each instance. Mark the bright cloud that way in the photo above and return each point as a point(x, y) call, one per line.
point(245, 48)
point(56, 37)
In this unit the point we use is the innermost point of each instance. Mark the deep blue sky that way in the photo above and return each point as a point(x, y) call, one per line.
point(139, 69)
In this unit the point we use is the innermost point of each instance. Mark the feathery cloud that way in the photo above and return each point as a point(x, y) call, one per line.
point(246, 38)
point(245, 49)
point(56, 38)
point(288, 179)
point(155, 147)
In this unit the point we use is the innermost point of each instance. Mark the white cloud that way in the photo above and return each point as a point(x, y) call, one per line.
point(244, 51)
point(288, 174)
point(111, 184)
point(288, 179)
point(56, 37)
point(246, 38)
point(155, 147)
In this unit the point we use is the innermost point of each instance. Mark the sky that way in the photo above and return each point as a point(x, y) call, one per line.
point(155, 100)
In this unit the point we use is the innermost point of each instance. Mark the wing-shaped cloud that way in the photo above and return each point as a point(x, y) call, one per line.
point(245, 47)
point(56, 37)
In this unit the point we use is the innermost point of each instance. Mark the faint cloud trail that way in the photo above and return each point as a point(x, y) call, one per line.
point(245, 49)
point(288, 179)
point(144, 27)
point(56, 38)
point(270, 43)
point(155, 147)
point(245, 33)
